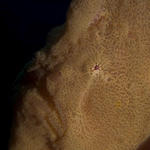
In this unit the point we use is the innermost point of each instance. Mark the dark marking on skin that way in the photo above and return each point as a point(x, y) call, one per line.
point(96, 67)
point(43, 91)
point(45, 94)
point(54, 76)
point(48, 142)
point(51, 126)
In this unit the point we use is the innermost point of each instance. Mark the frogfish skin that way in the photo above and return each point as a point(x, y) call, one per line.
point(89, 87)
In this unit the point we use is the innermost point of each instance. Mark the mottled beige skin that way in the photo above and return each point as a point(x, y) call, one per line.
point(67, 105)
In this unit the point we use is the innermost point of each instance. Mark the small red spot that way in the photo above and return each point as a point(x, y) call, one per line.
point(96, 67)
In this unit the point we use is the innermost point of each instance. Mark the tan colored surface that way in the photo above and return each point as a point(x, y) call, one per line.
point(67, 105)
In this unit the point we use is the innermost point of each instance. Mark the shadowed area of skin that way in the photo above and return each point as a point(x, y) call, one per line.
point(90, 89)
point(145, 145)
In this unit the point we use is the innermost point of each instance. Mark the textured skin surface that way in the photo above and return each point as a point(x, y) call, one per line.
point(91, 89)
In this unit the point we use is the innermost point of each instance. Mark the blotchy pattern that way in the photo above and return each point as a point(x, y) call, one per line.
point(91, 89)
